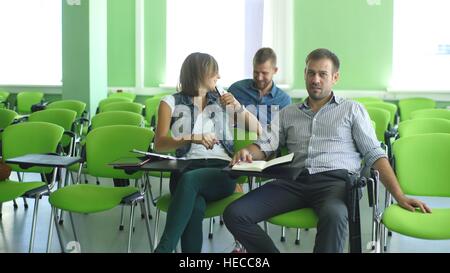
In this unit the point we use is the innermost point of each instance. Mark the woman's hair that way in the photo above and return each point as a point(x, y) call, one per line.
point(196, 69)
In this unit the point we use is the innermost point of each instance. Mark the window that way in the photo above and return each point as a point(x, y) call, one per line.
point(30, 47)
point(230, 30)
point(421, 53)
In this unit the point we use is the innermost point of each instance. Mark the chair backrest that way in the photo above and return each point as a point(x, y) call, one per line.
point(4, 95)
point(124, 106)
point(127, 95)
point(75, 105)
point(423, 126)
point(381, 118)
point(107, 101)
point(27, 99)
point(243, 138)
point(116, 118)
point(422, 164)
point(62, 117)
point(431, 113)
point(367, 99)
point(390, 107)
point(6, 118)
point(151, 109)
point(107, 144)
point(407, 106)
point(31, 138)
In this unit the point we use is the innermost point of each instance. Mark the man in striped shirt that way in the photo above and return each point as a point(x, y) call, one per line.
point(330, 137)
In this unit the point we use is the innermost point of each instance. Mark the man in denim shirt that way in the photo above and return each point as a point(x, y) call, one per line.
point(261, 91)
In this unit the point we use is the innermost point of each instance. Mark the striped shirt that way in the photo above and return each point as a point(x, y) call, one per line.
point(338, 136)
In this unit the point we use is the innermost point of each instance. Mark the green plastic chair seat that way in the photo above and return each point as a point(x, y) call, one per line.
point(213, 209)
point(300, 218)
point(6, 118)
point(431, 226)
point(10, 190)
point(85, 198)
point(107, 101)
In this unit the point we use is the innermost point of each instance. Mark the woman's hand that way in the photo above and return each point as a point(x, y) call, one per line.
point(207, 140)
point(411, 204)
point(228, 99)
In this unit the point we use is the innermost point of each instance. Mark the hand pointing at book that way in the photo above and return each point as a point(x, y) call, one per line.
point(243, 155)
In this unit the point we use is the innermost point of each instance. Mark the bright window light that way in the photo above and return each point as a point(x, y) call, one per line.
point(421, 53)
point(216, 27)
point(30, 47)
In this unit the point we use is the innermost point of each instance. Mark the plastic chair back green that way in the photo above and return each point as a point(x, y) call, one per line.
point(422, 164)
point(75, 105)
point(4, 95)
point(151, 109)
point(27, 99)
point(62, 117)
point(423, 126)
point(390, 107)
point(381, 118)
point(124, 106)
point(107, 101)
point(116, 118)
point(31, 138)
point(107, 144)
point(407, 106)
point(367, 99)
point(127, 95)
point(6, 118)
point(431, 113)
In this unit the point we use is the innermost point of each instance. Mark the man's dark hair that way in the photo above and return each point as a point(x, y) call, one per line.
point(323, 53)
point(265, 54)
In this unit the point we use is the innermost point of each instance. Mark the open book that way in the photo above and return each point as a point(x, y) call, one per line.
point(259, 166)
point(157, 156)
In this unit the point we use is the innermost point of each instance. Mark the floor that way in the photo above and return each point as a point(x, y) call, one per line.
point(99, 233)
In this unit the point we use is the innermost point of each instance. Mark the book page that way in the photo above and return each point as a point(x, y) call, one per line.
point(279, 160)
point(255, 166)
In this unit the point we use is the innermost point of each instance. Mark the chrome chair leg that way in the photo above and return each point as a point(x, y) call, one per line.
point(147, 223)
point(210, 235)
point(155, 237)
point(121, 217)
point(283, 234)
point(50, 231)
point(33, 225)
point(297, 239)
point(73, 227)
point(130, 232)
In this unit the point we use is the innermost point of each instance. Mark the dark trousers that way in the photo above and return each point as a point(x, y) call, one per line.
point(201, 183)
point(324, 192)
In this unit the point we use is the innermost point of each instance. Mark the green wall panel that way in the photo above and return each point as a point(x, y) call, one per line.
point(360, 34)
point(155, 42)
point(121, 42)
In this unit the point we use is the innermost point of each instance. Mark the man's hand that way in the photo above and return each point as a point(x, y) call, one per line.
point(207, 140)
point(411, 204)
point(243, 155)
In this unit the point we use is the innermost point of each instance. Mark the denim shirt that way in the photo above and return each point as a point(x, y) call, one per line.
point(249, 96)
point(212, 100)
